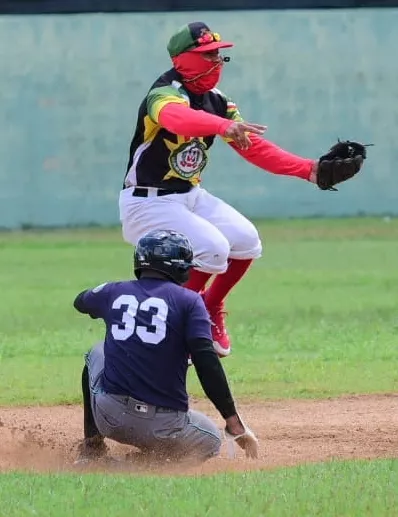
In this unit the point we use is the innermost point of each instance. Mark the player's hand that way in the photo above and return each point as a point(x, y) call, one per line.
point(237, 432)
point(239, 133)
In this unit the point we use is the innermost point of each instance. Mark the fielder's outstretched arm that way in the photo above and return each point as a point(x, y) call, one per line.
point(268, 156)
point(183, 120)
point(243, 137)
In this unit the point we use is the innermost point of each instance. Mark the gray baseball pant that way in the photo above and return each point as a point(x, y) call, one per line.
point(165, 432)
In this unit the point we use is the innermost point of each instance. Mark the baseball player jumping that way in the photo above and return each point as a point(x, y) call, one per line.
point(134, 383)
point(177, 123)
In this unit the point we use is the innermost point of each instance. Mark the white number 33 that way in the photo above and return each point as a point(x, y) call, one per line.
point(129, 326)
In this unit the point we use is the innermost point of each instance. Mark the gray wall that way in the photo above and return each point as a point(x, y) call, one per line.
point(70, 87)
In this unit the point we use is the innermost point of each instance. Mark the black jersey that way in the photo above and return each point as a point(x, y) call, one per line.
point(162, 159)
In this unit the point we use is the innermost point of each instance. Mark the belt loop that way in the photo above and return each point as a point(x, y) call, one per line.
point(152, 191)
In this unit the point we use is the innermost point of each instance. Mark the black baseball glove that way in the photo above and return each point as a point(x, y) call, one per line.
point(343, 161)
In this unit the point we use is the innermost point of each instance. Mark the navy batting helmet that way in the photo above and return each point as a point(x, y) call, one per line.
point(164, 251)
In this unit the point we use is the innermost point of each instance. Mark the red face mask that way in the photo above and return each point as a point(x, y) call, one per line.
point(199, 74)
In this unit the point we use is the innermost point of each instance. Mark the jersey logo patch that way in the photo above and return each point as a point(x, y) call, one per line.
point(189, 159)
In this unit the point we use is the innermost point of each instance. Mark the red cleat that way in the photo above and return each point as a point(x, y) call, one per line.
point(221, 341)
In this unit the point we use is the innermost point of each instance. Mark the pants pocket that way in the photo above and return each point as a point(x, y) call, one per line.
point(107, 412)
point(169, 426)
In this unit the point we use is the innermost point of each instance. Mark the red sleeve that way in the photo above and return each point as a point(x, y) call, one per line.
point(182, 120)
point(270, 157)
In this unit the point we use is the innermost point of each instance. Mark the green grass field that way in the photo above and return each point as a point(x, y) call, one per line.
point(315, 317)
point(356, 489)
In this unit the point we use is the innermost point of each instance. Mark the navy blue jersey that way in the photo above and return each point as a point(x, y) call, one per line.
point(148, 325)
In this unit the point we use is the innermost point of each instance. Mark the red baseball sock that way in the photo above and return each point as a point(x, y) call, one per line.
point(223, 283)
point(197, 280)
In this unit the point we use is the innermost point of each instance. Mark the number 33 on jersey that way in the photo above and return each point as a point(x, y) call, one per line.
point(146, 312)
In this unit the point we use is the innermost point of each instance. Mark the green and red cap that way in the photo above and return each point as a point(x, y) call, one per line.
point(195, 37)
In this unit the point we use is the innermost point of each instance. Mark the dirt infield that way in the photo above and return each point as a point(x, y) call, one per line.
point(291, 432)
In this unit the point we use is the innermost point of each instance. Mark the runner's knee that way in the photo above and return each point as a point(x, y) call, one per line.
point(214, 447)
point(205, 436)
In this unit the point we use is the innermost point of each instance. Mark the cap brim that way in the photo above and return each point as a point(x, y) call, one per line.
point(215, 45)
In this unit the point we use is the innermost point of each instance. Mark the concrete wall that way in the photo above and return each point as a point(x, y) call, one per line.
point(70, 87)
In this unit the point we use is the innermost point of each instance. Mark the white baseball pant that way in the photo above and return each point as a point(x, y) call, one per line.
point(216, 230)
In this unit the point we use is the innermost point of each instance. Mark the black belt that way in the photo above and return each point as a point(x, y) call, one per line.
point(144, 191)
point(137, 404)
